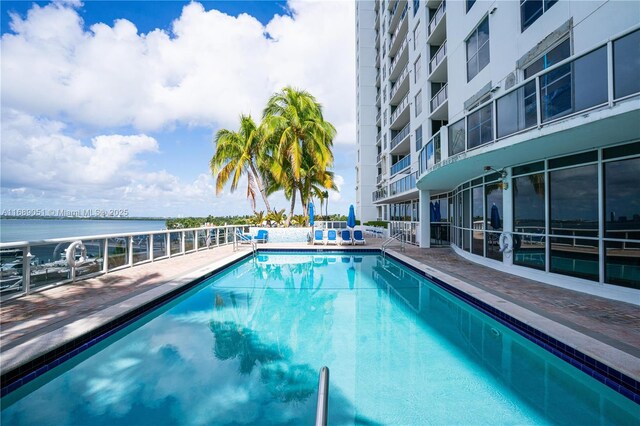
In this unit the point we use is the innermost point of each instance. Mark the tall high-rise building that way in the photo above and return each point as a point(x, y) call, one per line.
point(509, 130)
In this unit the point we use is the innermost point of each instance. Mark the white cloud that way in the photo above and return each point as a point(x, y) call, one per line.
point(68, 92)
point(211, 68)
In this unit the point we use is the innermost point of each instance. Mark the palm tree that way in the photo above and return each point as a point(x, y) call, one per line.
point(239, 153)
point(302, 140)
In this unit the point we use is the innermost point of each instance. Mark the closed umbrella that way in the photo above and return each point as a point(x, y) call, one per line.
point(311, 214)
point(351, 219)
point(495, 217)
point(437, 217)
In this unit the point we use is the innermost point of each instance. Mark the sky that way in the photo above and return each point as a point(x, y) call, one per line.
point(113, 105)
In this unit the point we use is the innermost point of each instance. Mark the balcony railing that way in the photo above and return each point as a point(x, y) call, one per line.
point(378, 116)
point(439, 98)
point(379, 179)
point(405, 184)
point(378, 136)
point(401, 165)
point(438, 57)
point(583, 82)
point(399, 137)
point(397, 30)
point(430, 154)
point(379, 158)
point(437, 17)
point(394, 62)
point(41, 264)
point(399, 80)
point(401, 107)
point(379, 194)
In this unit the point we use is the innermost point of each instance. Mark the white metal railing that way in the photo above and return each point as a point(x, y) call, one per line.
point(396, 58)
point(532, 104)
point(28, 266)
point(399, 80)
point(437, 17)
point(441, 53)
point(439, 98)
point(398, 237)
point(399, 137)
point(397, 30)
point(404, 103)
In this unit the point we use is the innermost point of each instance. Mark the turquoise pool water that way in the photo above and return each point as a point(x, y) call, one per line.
point(246, 346)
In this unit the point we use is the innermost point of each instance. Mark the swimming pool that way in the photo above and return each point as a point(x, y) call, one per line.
point(245, 347)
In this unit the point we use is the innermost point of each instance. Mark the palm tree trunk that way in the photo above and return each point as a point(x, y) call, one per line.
point(258, 178)
point(293, 206)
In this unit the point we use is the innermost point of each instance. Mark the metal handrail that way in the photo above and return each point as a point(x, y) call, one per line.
point(323, 397)
point(396, 237)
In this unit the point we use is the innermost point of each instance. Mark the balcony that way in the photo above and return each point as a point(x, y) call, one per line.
point(438, 63)
point(398, 118)
point(437, 32)
point(549, 108)
point(399, 34)
point(437, 101)
point(401, 165)
point(400, 84)
point(401, 57)
point(379, 194)
point(379, 158)
point(378, 60)
point(430, 154)
point(379, 178)
point(379, 136)
point(400, 136)
point(396, 16)
point(403, 185)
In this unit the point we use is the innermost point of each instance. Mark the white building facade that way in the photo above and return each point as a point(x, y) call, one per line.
point(513, 125)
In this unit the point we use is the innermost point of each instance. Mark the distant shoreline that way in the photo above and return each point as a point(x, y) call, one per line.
point(79, 218)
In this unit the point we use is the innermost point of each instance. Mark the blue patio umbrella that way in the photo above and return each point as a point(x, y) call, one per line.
point(311, 214)
point(351, 220)
point(495, 217)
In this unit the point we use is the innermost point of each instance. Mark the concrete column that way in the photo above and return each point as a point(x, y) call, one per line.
point(425, 219)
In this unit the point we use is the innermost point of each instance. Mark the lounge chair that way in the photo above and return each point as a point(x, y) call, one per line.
point(318, 236)
point(345, 237)
point(262, 237)
point(332, 236)
point(243, 238)
point(358, 238)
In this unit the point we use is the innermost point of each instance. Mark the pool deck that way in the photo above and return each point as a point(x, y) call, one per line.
point(607, 330)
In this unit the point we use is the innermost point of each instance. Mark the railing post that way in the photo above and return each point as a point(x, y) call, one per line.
point(151, 247)
point(130, 254)
point(168, 244)
point(196, 235)
point(538, 103)
point(217, 237)
point(26, 269)
point(183, 242)
point(610, 73)
point(105, 263)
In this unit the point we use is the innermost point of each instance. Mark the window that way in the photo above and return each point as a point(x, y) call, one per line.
point(456, 138)
point(418, 138)
point(573, 214)
point(417, 35)
point(478, 49)
point(529, 219)
point(531, 10)
point(480, 126)
point(470, 4)
point(626, 63)
point(559, 53)
point(417, 69)
point(419, 103)
point(416, 6)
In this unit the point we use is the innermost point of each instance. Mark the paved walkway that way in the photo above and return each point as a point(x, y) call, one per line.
point(609, 330)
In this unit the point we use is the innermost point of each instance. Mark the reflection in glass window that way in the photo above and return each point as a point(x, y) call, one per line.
point(531, 10)
point(576, 257)
point(478, 49)
point(456, 137)
point(622, 199)
point(573, 201)
point(559, 53)
point(478, 221)
point(494, 218)
point(418, 103)
point(626, 63)
point(622, 263)
point(528, 204)
point(418, 138)
point(480, 126)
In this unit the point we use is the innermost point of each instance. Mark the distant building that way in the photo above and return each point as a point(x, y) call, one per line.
point(481, 123)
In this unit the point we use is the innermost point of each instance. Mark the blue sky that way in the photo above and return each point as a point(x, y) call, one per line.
point(114, 104)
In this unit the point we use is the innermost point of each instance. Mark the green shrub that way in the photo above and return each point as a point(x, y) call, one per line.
point(380, 223)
